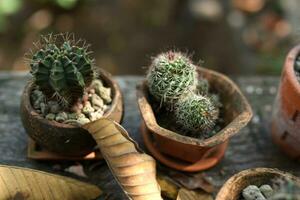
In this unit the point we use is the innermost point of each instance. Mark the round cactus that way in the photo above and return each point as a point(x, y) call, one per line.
point(196, 113)
point(61, 68)
point(171, 76)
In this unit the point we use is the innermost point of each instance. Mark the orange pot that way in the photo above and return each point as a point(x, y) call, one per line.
point(187, 153)
point(286, 118)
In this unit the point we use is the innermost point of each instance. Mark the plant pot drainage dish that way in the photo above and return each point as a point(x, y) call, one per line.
point(286, 117)
point(65, 93)
point(189, 112)
point(261, 184)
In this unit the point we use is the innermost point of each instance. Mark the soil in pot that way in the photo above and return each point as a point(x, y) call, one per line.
point(95, 101)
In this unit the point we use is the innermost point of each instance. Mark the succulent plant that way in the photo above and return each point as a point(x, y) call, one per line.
point(196, 113)
point(170, 76)
point(61, 67)
point(285, 189)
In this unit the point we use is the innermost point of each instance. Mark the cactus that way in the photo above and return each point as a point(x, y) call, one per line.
point(61, 67)
point(171, 76)
point(196, 113)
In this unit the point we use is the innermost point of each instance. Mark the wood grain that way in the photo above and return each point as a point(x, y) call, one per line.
point(134, 170)
point(22, 183)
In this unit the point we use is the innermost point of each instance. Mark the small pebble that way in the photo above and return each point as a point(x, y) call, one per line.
point(97, 102)
point(61, 117)
point(83, 120)
point(72, 115)
point(87, 109)
point(44, 108)
point(54, 107)
point(96, 84)
point(50, 116)
point(252, 192)
point(266, 190)
point(105, 94)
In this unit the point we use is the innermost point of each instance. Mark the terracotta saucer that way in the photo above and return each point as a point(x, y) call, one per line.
point(208, 160)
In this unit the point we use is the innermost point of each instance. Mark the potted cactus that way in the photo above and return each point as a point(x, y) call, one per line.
point(189, 112)
point(66, 92)
point(261, 183)
point(285, 120)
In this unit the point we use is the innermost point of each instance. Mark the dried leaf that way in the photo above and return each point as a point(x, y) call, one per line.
point(185, 194)
point(168, 189)
point(77, 170)
point(193, 181)
point(134, 170)
point(22, 183)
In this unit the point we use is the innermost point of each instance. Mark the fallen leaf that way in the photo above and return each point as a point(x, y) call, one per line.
point(193, 181)
point(168, 189)
point(21, 183)
point(185, 194)
point(134, 170)
point(77, 170)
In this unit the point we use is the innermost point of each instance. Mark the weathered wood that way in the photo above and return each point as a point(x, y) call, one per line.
point(252, 147)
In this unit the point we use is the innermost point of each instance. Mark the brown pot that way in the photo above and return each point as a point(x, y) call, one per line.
point(62, 138)
point(286, 118)
point(234, 186)
point(187, 153)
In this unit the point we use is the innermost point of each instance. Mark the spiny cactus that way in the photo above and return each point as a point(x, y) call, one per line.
point(61, 67)
point(196, 113)
point(171, 76)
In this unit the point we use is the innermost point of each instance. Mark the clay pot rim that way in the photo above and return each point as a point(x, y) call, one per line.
point(251, 173)
point(288, 68)
point(103, 75)
point(223, 135)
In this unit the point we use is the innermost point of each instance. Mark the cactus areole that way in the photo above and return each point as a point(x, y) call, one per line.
point(61, 68)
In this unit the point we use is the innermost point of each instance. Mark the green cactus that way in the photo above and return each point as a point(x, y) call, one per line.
point(196, 113)
point(61, 68)
point(171, 76)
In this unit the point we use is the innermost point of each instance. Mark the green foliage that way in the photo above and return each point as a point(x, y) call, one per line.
point(196, 113)
point(61, 67)
point(171, 76)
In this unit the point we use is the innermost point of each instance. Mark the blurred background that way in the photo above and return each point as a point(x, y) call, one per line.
point(232, 36)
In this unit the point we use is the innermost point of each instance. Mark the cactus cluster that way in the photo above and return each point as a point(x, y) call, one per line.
point(173, 80)
point(61, 67)
point(171, 76)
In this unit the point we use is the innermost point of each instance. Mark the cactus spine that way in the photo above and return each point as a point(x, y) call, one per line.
point(61, 68)
point(170, 76)
point(173, 80)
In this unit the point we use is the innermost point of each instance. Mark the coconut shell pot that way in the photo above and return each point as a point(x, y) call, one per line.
point(233, 187)
point(286, 118)
point(191, 154)
point(62, 138)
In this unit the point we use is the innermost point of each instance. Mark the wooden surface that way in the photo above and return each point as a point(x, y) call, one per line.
point(252, 147)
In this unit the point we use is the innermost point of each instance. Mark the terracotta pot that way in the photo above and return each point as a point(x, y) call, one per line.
point(62, 138)
point(234, 186)
point(286, 118)
point(187, 153)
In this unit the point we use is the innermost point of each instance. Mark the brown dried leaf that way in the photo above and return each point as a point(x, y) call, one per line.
point(185, 194)
point(193, 181)
point(134, 170)
point(22, 183)
point(168, 189)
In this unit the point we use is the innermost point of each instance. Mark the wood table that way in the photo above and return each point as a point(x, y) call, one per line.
point(252, 147)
